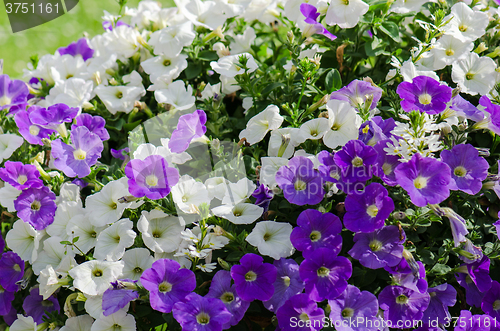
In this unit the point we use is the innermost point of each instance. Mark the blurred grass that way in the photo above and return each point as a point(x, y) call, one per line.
point(17, 48)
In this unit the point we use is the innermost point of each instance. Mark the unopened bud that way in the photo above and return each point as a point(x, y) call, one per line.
point(290, 37)
point(480, 48)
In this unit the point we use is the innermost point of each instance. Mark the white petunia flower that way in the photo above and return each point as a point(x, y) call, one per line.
point(95, 277)
point(259, 125)
point(9, 143)
point(123, 41)
point(170, 40)
point(176, 95)
point(238, 192)
point(49, 282)
point(344, 123)
point(270, 166)
point(272, 239)
point(466, 23)
point(70, 193)
point(449, 49)
point(78, 323)
point(410, 70)
point(243, 42)
point(93, 305)
point(119, 98)
point(52, 254)
point(145, 150)
point(229, 65)
point(474, 74)
point(241, 213)
point(136, 260)
point(314, 129)
point(23, 323)
point(64, 212)
point(79, 226)
point(163, 65)
point(229, 84)
point(116, 321)
point(74, 92)
point(211, 91)
point(216, 187)
point(189, 194)
point(112, 241)
point(67, 67)
point(160, 232)
point(24, 240)
point(283, 141)
point(406, 6)
point(8, 194)
point(345, 14)
point(203, 13)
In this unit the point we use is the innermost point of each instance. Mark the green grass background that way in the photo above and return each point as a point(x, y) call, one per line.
point(17, 48)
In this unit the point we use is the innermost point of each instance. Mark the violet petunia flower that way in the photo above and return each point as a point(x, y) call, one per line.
point(376, 129)
point(360, 94)
point(76, 159)
point(13, 94)
point(409, 273)
point(95, 124)
point(167, 284)
point(491, 301)
point(468, 322)
point(35, 306)
point(311, 14)
point(254, 279)
point(424, 94)
point(473, 297)
point(120, 153)
point(119, 295)
point(36, 206)
point(317, 230)
point(356, 160)
point(325, 275)
point(401, 304)
point(466, 109)
point(189, 127)
point(380, 248)
point(151, 177)
point(479, 273)
point(386, 164)
point(6, 298)
point(263, 196)
point(199, 313)
point(300, 308)
point(80, 47)
point(53, 117)
point(108, 25)
point(33, 133)
point(221, 288)
point(366, 211)
point(11, 271)
point(300, 182)
point(328, 169)
point(354, 310)
point(441, 297)
point(425, 179)
point(288, 283)
point(21, 176)
point(468, 169)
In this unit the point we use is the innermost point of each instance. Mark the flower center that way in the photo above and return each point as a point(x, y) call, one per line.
point(315, 236)
point(366, 129)
point(266, 236)
point(348, 312)
point(300, 185)
point(137, 270)
point(119, 94)
point(47, 303)
point(151, 180)
point(387, 168)
point(335, 174)
point(16, 267)
point(5, 100)
point(420, 182)
point(184, 199)
point(425, 98)
point(203, 318)
point(36, 205)
point(402, 299)
point(156, 234)
point(165, 287)
point(34, 130)
point(450, 52)
point(460, 171)
point(286, 281)
point(97, 273)
point(357, 161)
point(79, 154)
point(22, 179)
point(227, 297)
point(432, 294)
point(93, 234)
point(250, 276)
point(116, 327)
point(304, 317)
point(375, 245)
point(167, 62)
point(463, 28)
point(469, 76)
point(372, 210)
point(496, 305)
point(323, 272)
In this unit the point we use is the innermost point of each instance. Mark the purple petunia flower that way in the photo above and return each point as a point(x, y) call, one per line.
point(36, 307)
point(386, 164)
point(36, 206)
point(33, 133)
point(366, 211)
point(424, 94)
point(300, 182)
point(254, 279)
point(380, 248)
point(466, 109)
point(76, 159)
point(108, 25)
point(151, 177)
point(120, 153)
point(95, 124)
point(54, 116)
point(473, 297)
point(316, 230)
point(288, 283)
point(300, 313)
point(401, 304)
point(491, 301)
point(325, 274)
point(409, 273)
point(328, 169)
point(189, 127)
point(356, 160)
point(13, 94)
point(376, 129)
point(263, 196)
point(360, 94)
point(199, 313)
point(80, 47)
point(311, 14)
point(425, 179)
point(354, 310)
point(118, 296)
point(21, 176)
point(468, 322)
point(167, 284)
point(11, 271)
point(468, 169)
point(6, 298)
point(479, 273)
point(221, 288)
point(441, 297)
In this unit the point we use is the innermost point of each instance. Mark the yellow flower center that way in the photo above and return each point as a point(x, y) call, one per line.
point(496, 305)
point(357, 161)
point(463, 28)
point(34, 130)
point(366, 129)
point(469, 76)
point(460, 171)
point(227, 297)
point(375, 245)
point(286, 280)
point(348, 312)
point(250, 276)
point(402, 299)
point(304, 317)
point(449, 52)
point(165, 287)
point(425, 98)
point(203, 318)
point(167, 62)
point(97, 273)
point(323, 272)
point(119, 94)
point(5, 100)
point(78, 154)
point(372, 210)
point(22, 179)
point(420, 182)
point(151, 180)
point(315, 236)
point(36, 205)
point(387, 168)
point(300, 185)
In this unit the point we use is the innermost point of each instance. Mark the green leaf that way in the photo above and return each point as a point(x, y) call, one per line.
point(376, 47)
point(391, 29)
point(65, 242)
point(208, 56)
point(75, 239)
point(131, 126)
point(272, 87)
point(333, 81)
point(235, 256)
point(193, 70)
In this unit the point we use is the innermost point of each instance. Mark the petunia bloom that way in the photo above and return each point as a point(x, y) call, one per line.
point(189, 127)
point(424, 94)
point(360, 94)
point(311, 14)
point(80, 47)
point(36, 206)
point(13, 94)
point(199, 313)
point(402, 304)
point(95, 124)
point(253, 278)
point(357, 161)
point(35, 306)
point(21, 176)
point(300, 313)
